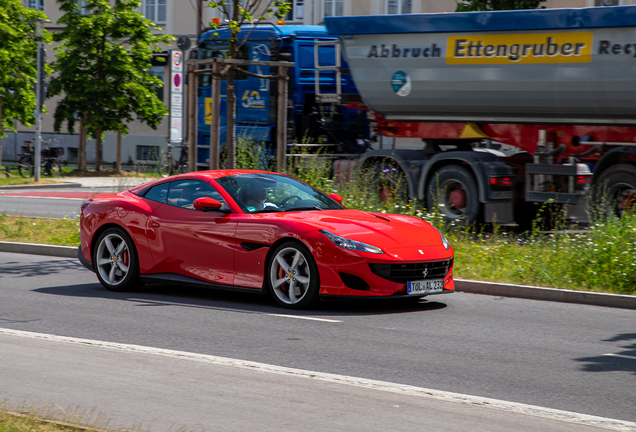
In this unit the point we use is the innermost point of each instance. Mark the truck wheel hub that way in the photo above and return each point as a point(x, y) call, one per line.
point(457, 198)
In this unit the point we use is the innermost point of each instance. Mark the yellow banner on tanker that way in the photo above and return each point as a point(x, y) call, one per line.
point(575, 47)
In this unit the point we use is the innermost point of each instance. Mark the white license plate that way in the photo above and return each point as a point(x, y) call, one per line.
point(425, 286)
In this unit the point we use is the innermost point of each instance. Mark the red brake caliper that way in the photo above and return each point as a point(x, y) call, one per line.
point(125, 257)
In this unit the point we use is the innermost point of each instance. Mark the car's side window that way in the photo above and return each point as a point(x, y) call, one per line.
point(183, 193)
point(158, 193)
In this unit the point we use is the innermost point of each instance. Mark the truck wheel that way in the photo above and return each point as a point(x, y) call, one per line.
point(453, 191)
point(390, 182)
point(615, 190)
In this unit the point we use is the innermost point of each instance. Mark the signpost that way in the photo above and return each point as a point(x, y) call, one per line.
point(176, 96)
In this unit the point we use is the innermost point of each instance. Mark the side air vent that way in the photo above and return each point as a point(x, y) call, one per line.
point(354, 282)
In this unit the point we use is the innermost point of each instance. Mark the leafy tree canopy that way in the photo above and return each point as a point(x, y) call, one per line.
point(102, 65)
point(18, 62)
point(490, 5)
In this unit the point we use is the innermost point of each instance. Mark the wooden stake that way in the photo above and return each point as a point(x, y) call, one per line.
point(215, 120)
point(192, 119)
point(281, 136)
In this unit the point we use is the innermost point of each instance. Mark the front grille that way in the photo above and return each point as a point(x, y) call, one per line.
point(403, 273)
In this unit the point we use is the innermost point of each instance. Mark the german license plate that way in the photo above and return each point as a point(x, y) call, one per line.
point(425, 287)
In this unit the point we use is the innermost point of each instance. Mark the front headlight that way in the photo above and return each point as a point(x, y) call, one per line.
point(444, 241)
point(351, 244)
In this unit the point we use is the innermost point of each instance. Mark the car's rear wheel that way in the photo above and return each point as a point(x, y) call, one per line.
point(293, 276)
point(115, 261)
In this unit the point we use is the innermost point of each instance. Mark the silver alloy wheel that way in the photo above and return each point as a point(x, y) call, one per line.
point(289, 275)
point(113, 259)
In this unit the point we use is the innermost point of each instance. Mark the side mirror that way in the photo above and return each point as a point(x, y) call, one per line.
point(207, 204)
point(337, 198)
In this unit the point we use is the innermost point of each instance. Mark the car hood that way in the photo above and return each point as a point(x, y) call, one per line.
point(386, 231)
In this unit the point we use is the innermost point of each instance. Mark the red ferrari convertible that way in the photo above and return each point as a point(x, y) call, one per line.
point(262, 232)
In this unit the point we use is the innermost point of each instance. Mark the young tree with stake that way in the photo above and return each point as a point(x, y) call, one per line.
point(18, 64)
point(101, 66)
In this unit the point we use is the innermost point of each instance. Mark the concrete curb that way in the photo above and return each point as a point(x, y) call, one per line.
point(39, 249)
point(546, 294)
point(44, 186)
point(475, 287)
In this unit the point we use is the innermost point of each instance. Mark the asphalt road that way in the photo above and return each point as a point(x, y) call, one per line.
point(540, 353)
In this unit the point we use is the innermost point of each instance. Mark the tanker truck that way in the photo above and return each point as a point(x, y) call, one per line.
point(556, 88)
point(558, 85)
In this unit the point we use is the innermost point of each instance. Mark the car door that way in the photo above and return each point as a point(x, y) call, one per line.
point(192, 243)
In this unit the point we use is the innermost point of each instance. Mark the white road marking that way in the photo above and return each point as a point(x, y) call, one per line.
point(234, 310)
point(304, 317)
point(621, 356)
point(42, 197)
point(553, 414)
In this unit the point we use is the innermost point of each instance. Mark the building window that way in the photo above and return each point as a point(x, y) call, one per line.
point(36, 4)
point(147, 153)
point(159, 72)
point(333, 7)
point(296, 11)
point(155, 10)
point(394, 7)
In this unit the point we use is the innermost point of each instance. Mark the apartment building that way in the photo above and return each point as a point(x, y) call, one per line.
point(179, 18)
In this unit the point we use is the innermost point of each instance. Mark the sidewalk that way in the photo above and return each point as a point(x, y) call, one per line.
point(121, 183)
point(116, 183)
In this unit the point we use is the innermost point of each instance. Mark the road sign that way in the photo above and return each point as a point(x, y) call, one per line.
point(176, 96)
point(183, 43)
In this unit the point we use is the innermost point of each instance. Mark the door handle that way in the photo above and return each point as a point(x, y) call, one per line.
point(154, 224)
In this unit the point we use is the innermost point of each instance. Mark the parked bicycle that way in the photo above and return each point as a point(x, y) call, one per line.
point(167, 165)
point(49, 160)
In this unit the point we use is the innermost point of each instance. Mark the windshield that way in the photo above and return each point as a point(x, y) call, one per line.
point(260, 193)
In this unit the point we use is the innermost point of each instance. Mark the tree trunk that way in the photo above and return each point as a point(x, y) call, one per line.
point(230, 143)
point(118, 162)
point(81, 150)
point(98, 149)
point(1, 132)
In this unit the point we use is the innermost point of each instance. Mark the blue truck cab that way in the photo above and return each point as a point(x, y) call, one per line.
point(256, 98)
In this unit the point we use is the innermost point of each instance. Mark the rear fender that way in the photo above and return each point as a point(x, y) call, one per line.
point(614, 157)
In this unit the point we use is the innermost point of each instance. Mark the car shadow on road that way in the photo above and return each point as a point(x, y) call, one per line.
point(623, 361)
point(40, 268)
point(157, 295)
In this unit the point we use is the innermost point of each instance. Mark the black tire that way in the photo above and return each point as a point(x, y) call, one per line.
point(453, 191)
point(111, 261)
point(279, 279)
point(164, 167)
point(25, 167)
point(615, 190)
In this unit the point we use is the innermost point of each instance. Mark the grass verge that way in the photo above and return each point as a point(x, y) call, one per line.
point(12, 422)
point(61, 232)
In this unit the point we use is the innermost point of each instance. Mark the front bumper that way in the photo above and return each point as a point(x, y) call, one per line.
point(86, 263)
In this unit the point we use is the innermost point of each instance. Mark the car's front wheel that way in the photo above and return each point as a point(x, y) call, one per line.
point(116, 262)
point(293, 276)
